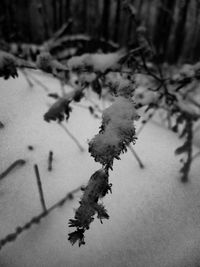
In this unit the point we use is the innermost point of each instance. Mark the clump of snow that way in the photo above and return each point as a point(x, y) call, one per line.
point(104, 62)
point(97, 62)
point(87, 77)
point(187, 70)
point(144, 96)
point(105, 146)
point(77, 62)
point(121, 109)
point(117, 131)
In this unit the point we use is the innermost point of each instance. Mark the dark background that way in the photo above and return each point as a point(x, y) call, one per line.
point(171, 25)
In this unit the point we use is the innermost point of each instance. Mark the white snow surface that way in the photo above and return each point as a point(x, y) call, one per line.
point(154, 218)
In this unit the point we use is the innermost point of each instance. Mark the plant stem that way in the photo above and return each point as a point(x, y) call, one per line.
point(19, 162)
point(50, 160)
point(196, 156)
point(136, 157)
point(72, 137)
point(39, 184)
point(27, 78)
point(36, 219)
point(46, 89)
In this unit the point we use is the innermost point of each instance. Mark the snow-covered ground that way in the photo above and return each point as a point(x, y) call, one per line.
point(154, 218)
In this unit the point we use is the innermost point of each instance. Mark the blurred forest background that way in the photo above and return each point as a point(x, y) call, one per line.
point(173, 26)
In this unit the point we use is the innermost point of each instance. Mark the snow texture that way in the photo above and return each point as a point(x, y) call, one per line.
point(117, 132)
point(154, 219)
point(98, 62)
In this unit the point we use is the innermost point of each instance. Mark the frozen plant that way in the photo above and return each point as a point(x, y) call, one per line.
point(120, 76)
point(96, 188)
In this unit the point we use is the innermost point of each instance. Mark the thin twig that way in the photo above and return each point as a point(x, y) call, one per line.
point(136, 157)
point(197, 128)
point(144, 122)
point(72, 137)
point(39, 184)
point(19, 162)
point(96, 106)
point(148, 71)
point(46, 89)
point(62, 88)
point(196, 156)
point(27, 78)
point(36, 219)
point(50, 160)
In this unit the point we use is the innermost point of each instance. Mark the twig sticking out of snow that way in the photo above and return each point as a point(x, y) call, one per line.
point(144, 122)
point(72, 137)
point(37, 81)
point(19, 162)
point(26, 76)
point(36, 219)
point(136, 156)
point(50, 160)
point(39, 184)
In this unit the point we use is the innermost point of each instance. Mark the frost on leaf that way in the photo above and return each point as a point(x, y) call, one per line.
point(8, 65)
point(96, 188)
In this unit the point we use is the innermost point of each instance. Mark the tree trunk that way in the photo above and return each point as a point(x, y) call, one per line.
point(196, 34)
point(60, 17)
point(117, 21)
point(67, 9)
point(84, 15)
point(54, 7)
point(180, 29)
point(105, 19)
point(163, 26)
point(139, 9)
point(44, 15)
